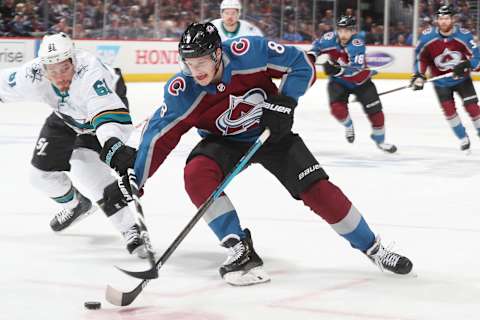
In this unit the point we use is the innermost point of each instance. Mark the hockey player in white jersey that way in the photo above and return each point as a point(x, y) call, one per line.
point(90, 110)
point(230, 25)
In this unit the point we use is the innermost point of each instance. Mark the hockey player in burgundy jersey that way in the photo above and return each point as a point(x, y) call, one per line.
point(448, 48)
point(346, 68)
point(227, 93)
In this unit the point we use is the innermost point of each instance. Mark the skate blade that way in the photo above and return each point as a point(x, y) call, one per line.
point(251, 277)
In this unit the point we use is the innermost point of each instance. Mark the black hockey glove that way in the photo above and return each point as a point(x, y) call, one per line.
point(461, 69)
point(332, 69)
point(418, 81)
point(116, 196)
point(278, 116)
point(118, 156)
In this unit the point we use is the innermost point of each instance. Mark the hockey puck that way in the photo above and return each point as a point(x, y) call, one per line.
point(92, 305)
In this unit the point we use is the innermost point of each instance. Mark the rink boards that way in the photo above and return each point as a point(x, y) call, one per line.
point(145, 61)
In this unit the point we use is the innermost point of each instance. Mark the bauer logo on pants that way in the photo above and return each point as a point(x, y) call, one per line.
point(309, 170)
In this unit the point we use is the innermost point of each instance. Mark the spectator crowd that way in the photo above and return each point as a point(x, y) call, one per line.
point(295, 21)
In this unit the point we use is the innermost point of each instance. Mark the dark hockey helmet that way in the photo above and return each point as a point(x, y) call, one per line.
point(346, 22)
point(446, 10)
point(198, 40)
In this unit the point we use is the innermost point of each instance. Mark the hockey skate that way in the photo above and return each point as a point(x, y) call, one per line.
point(386, 259)
point(350, 134)
point(135, 244)
point(66, 216)
point(243, 266)
point(465, 144)
point(389, 148)
point(379, 141)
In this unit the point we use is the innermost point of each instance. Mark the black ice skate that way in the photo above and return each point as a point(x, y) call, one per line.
point(135, 244)
point(243, 266)
point(350, 134)
point(388, 260)
point(465, 144)
point(67, 216)
point(389, 148)
point(379, 141)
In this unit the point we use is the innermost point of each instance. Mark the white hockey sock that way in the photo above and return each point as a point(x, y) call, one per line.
point(56, 185)
point(90, 172)
point(123, 219)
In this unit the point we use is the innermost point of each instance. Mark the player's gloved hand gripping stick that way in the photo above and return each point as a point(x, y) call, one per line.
point(151, 273)
point(119, 298)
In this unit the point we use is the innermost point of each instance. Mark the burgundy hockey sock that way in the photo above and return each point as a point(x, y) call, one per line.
point(329, 202)
point(201, 175)
point(326, 200)
point(340, 111)
point(377, 119)
point(449, 109)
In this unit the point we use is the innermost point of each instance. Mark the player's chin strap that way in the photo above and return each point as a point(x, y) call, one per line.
point(119, 298)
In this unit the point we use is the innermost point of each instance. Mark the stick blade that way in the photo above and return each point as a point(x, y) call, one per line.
point(121, 299)
point(114, 296)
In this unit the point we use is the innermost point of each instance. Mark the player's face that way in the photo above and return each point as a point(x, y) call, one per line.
point(344, 34)
point(230, 17)
point(202, 69)
point(61, 74)
point(445, 23)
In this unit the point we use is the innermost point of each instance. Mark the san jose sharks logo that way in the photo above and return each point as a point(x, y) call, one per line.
point(448, 59)
point(243, 112)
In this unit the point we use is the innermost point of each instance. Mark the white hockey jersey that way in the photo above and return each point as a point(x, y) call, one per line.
point(244, 28)
point(90, 102)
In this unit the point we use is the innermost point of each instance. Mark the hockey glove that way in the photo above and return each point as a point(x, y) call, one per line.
point(118, 156)
point(332, 69)
point(461, 69)
point(116, 196)
point(418, 81)
point(278, 116)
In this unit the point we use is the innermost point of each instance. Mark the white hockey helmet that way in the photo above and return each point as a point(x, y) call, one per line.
point(56, 48)
point(230, 4)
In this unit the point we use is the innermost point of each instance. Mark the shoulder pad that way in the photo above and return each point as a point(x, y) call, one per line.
point(329, 35)
point(176, 85)
point(427, 31)
point(239, 46)
point(357, 42)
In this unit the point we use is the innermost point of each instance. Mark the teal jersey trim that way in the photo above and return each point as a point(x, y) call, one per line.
point(107, 117)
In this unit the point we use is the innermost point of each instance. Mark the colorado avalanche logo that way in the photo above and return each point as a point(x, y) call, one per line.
point(447, 60)
point(240, 47)
point(243, 112)
point(177, 85)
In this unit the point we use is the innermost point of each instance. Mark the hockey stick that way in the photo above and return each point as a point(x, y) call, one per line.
point(151, 273)
point(446, 75)
point(119, 298)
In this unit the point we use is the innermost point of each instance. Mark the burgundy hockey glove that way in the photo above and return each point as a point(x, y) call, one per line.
point(278, 116)
point(461, 69)
point(118, 156)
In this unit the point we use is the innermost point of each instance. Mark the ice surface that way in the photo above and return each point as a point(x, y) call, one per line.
point(424, 198)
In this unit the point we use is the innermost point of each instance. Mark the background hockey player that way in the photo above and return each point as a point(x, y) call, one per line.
point(89, 110)
point(230, 25)
point(444, 49)
point(228, 94)
point(348, 74)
